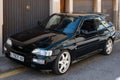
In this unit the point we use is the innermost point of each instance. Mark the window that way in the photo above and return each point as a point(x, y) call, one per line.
point(71, 28)
point(57, 22)
point(88, 26)
point(53, 21)
point(98, 24)
point(103, 21)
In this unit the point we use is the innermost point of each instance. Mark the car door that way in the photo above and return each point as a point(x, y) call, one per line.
point(87, 40)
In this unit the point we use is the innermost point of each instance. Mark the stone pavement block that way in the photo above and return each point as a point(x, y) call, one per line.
point(7, 64)
point(117, 34)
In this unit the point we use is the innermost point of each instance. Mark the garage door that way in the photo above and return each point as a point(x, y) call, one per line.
point(107, 8)
point(20, 15)
point(83, 6)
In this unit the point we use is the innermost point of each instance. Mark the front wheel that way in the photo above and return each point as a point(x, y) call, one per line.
point(108, 47)
point(62, 63)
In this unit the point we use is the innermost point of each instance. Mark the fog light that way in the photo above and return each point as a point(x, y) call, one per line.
point(39, 61)
point(5, 49)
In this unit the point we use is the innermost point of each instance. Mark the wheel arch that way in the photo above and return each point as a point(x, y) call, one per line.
point(111, 38)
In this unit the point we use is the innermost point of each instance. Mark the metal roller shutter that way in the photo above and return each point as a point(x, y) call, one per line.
point(83, 6)
point(20, 15)
point(107, 8)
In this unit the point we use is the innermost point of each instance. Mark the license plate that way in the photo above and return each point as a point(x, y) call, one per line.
point(16, 56)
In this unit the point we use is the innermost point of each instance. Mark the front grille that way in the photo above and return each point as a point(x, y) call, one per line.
point(24, 49)
point(27, 55)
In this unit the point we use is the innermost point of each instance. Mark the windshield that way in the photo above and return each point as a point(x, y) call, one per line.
point(58, 23)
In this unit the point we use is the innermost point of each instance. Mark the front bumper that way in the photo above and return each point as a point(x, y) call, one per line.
point(28, 59)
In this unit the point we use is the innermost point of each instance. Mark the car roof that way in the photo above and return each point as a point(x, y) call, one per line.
point(75, 14)
point(79, 15)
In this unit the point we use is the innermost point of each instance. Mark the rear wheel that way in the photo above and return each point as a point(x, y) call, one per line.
point(62, 63)
point(108, 47)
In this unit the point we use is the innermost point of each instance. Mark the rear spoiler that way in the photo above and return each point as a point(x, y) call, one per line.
point(101, 14)
point(104, 15)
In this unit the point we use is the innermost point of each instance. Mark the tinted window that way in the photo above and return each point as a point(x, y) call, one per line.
point(58, 22)
point(98, 24)
point(88, 26)
point(53, 21)
point(103, 21)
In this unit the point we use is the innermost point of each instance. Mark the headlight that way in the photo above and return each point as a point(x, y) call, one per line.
point(42, 52)
point(9, 42)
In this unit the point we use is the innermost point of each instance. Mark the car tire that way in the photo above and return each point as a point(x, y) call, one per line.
point(62, 63)
point(108, 47)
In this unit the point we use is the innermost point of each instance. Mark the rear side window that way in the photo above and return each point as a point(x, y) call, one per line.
point(98, 24)
point(103, 21)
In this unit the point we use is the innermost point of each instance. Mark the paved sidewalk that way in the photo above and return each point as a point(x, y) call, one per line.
point(118, 34)
point(7, 65)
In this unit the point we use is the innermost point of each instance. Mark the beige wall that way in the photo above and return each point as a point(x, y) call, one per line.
point(116, 18)
point(97, 6)
point(1, 23)
point(54, 6)
point(119, 14)
point(69, 6)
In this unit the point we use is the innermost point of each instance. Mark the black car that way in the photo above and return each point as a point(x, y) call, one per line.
point(60, 40)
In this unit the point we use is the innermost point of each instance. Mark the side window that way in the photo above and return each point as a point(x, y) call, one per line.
point(99, 25)
point(88, 26)
point(103, 22)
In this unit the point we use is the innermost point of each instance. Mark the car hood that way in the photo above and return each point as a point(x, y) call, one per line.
point(38, 38)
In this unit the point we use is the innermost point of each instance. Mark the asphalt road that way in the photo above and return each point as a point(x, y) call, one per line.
point(97, 67)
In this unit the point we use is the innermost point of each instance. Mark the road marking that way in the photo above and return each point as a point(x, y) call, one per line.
point(14, 72)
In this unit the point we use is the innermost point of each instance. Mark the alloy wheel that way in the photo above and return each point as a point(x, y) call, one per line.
point(64, 62)
point(109, 46)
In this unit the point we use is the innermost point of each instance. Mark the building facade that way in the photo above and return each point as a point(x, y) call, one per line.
point(1, 23)
point(119, 13)
point(19, 15)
